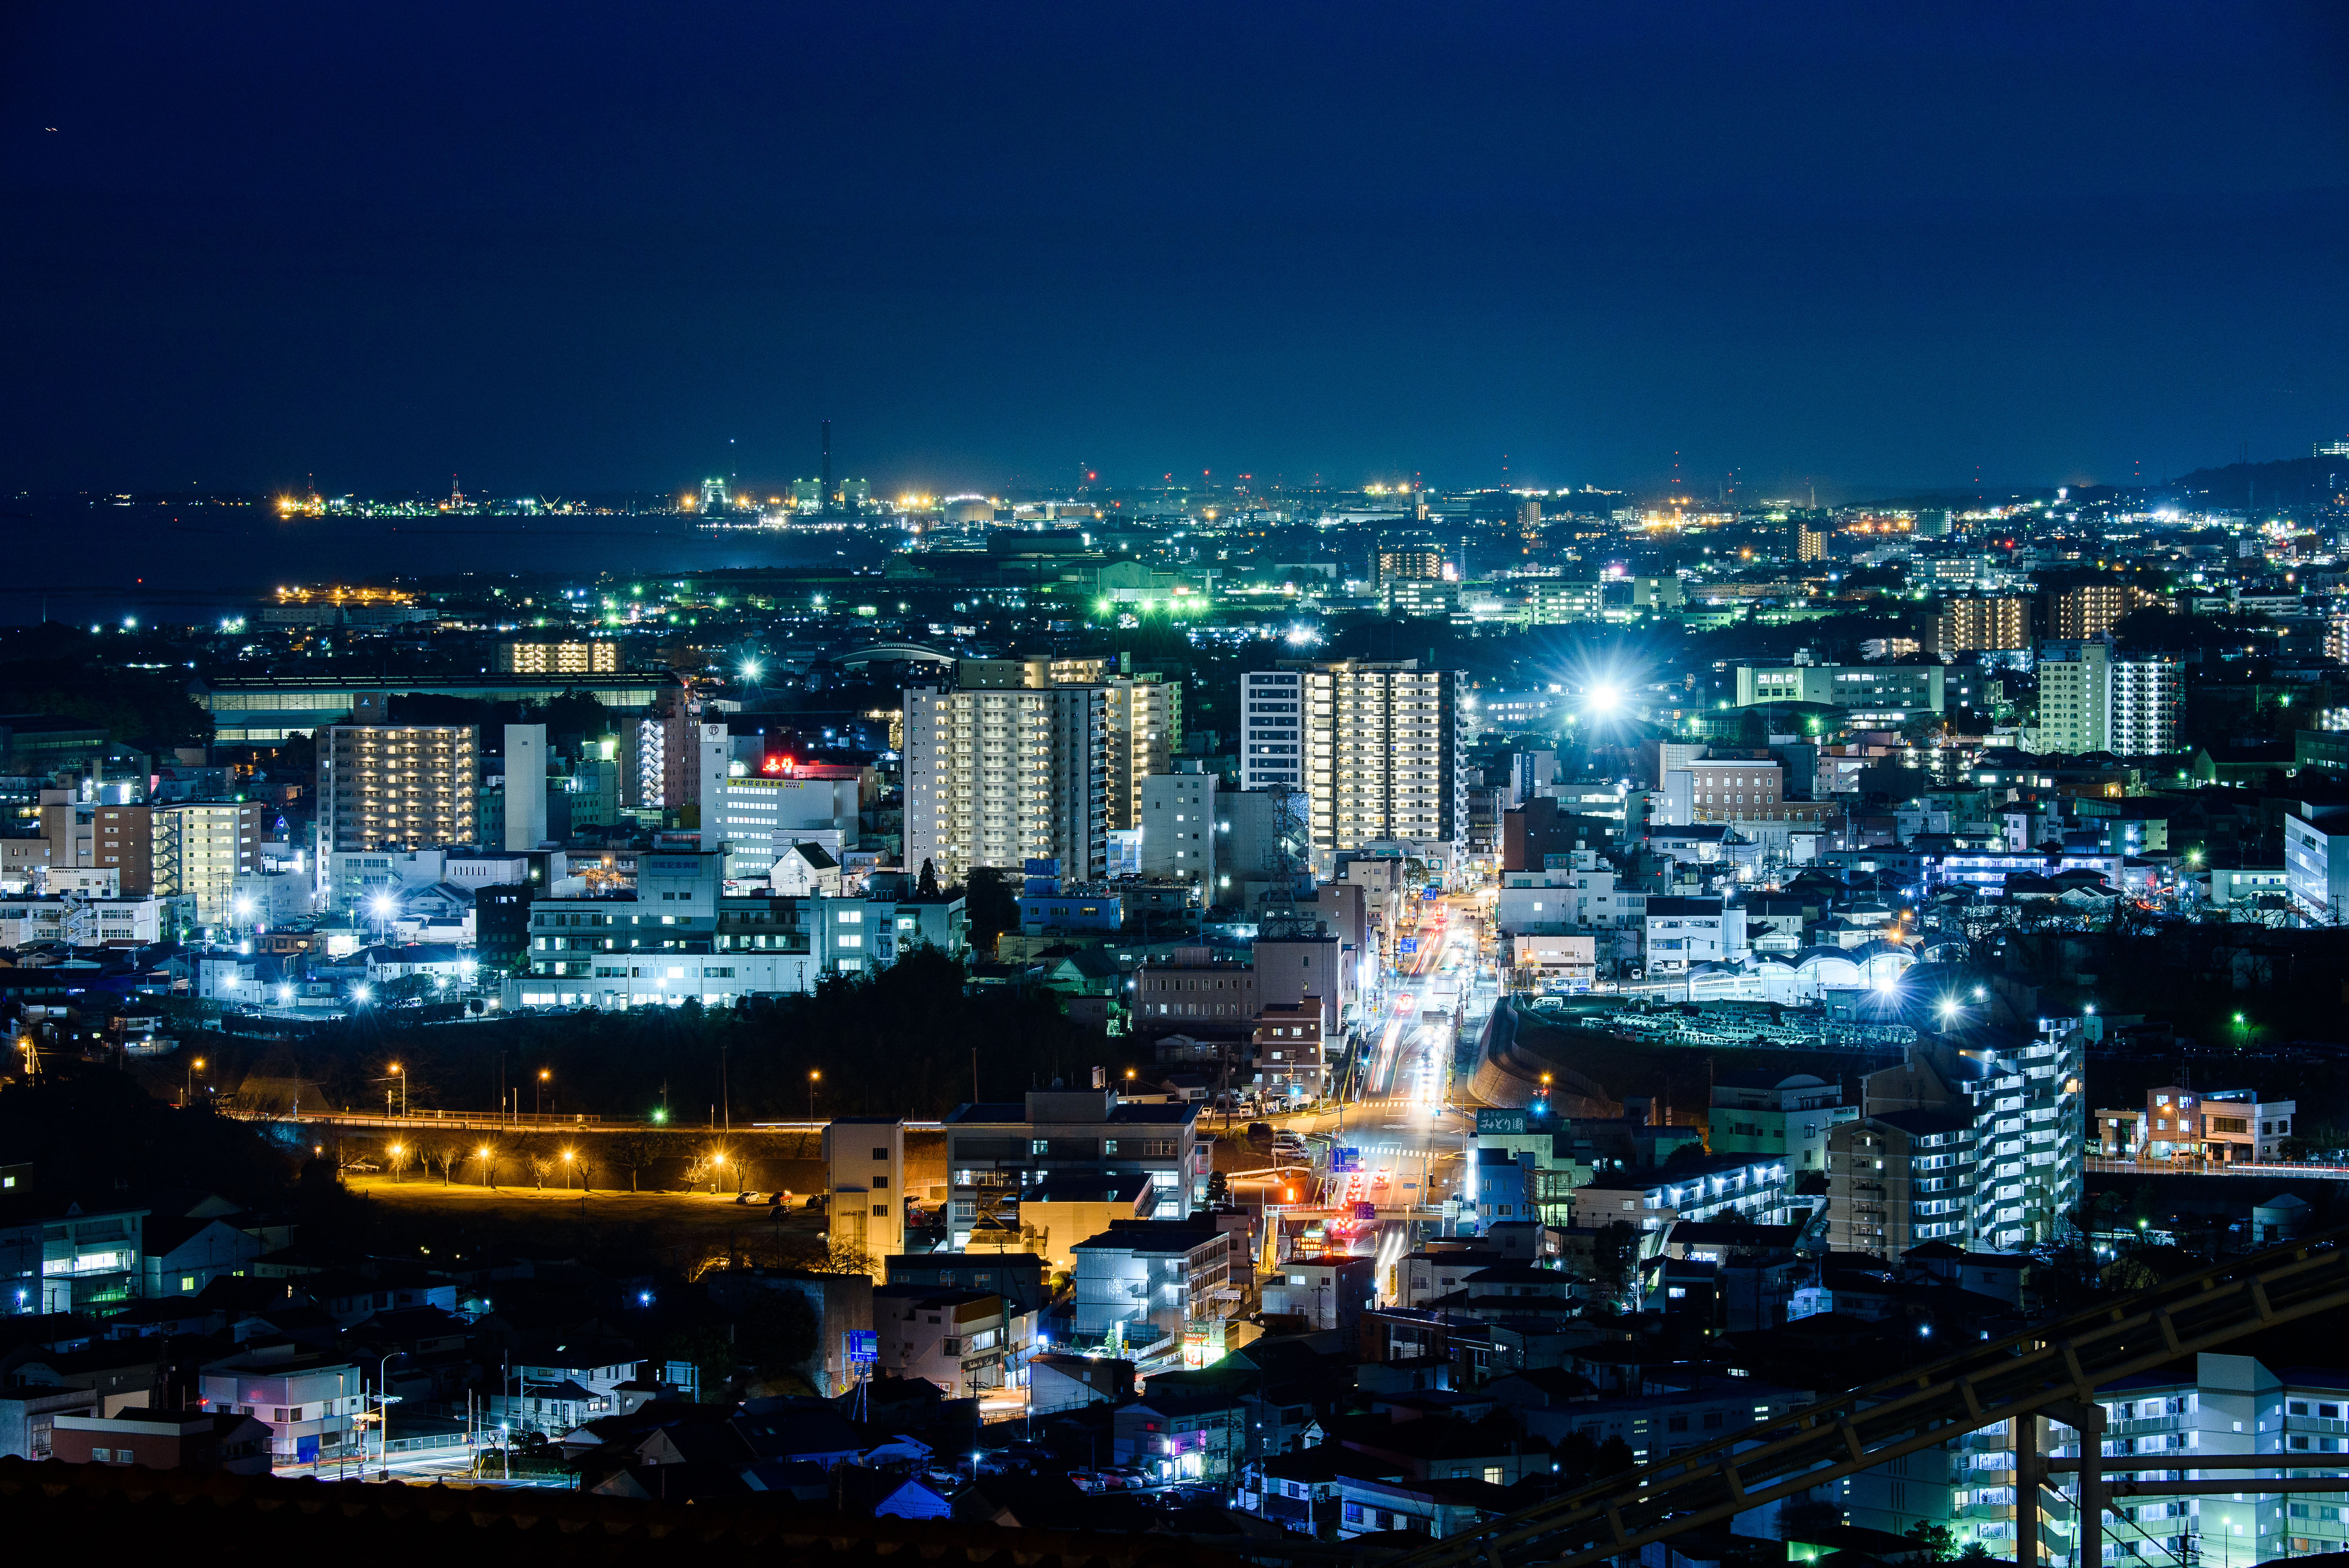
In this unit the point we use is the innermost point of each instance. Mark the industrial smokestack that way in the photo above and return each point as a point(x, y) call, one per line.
point(827, 467)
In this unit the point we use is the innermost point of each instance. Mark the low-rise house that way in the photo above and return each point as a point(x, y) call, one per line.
point(1327, 1292)
point(198, 1442)
point(1660, 1423)
point(1182, 1437)
point(1435, 1509)
point(29, 1413)
point(963, 1341)
point(311, 1401)
point(1299, 1492)
point(180, 1257)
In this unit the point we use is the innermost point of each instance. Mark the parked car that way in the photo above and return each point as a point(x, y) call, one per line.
point(818, 1200)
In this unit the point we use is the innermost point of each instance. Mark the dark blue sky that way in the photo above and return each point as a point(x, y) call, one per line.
point(573, 246)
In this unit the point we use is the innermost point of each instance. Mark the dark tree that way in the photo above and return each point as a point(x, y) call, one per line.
point(991, 905)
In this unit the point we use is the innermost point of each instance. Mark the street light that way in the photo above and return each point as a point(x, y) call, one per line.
point(482, 1154)
point(814, 1074)
point(566, 1169)
point(193, 1068)
point(545, 1076)
point(396, 1155)
point(400, 1073)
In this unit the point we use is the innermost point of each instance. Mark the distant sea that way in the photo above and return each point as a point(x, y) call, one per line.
point(190, 564)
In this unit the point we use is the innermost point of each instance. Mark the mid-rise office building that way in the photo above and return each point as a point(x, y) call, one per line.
point(395, 787)
point(1885, 694)
point(1765, 1114)
point(676, 936)
point(997, 1150)
point(1551, 602)
point(1180, 815)
point(759, 816)
point(998, 777)
point(107, 836)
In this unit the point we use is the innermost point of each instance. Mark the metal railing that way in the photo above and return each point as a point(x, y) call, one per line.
point(2027, 1375)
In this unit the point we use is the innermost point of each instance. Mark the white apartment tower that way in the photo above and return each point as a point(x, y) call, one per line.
point(2021, 1102)
point(1379, 744)
point(2092, 699)
point(2144, 707)
point(998, 777)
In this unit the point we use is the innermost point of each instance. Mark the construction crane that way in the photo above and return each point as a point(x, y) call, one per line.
point(2053, 1371)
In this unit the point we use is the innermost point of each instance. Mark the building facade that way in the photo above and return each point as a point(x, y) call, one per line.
point(395, 787)
point(1000, 777)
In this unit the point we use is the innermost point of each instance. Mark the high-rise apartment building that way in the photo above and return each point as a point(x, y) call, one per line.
point(200, 847)
point(1409, 563)
point(1375, 746)
point(1980, 1142)
point(2092, 609)
point(1810, 541)
point(395, 787)
point(1001, 777)
point(2074, 695)
point(665, 775)
point(1272, 746)
point(1997, 625)
point(2092, 699)
point(557, 658)
point(1146, 725)
point(2147, 698)
point(1146, 715)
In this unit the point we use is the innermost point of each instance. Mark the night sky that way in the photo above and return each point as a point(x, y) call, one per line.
point(582, 246)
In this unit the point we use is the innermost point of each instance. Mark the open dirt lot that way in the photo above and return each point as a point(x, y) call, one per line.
point(674, 1226)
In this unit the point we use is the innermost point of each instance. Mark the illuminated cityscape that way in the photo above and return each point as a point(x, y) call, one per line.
point(1261, 796)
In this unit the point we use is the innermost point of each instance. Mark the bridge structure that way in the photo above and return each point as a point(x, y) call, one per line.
point(2048, 1372)
point(524, 1121)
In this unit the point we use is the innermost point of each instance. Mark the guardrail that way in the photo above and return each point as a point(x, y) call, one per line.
point(2052, 1370)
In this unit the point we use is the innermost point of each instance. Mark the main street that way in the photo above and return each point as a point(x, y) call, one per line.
point(1411, 1139)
